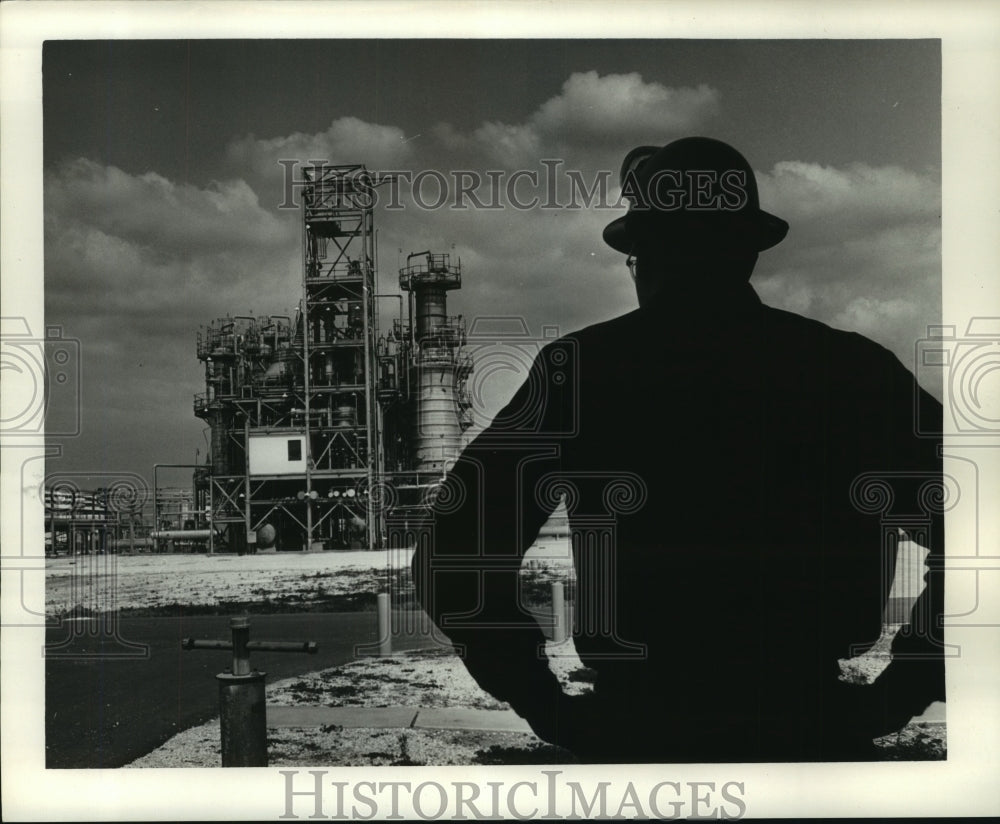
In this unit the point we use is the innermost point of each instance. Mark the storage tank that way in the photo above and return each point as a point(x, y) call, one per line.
point(437, 422)
point(437, 433)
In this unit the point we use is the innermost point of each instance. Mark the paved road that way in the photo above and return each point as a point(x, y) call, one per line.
point(109, 711)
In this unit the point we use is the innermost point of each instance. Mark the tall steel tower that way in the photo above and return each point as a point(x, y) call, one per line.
point(340, 414)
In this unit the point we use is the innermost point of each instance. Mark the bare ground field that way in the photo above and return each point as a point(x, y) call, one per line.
point(147, 584)
point(330, 581)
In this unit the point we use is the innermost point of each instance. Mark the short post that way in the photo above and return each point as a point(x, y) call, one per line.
point(242, 707)
point(384, 624)
point(558, 613)
point(570, 594)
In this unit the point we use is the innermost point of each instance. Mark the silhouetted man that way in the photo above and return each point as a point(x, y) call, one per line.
point(714, 455)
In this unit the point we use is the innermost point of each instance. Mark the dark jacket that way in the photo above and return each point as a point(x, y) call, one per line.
point(722, 465)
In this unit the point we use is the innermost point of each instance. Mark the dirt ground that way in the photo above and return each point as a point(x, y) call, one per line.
point(147, 584)
point(437, 678)
point(426, 679)
point(178, 584)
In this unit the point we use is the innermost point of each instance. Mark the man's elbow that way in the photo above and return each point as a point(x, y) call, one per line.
point(420, 566)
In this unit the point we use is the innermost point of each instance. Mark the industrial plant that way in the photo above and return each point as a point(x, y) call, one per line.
point(328, 424)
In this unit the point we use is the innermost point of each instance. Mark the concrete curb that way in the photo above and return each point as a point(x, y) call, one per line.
point(438, 718)
point(398, 718)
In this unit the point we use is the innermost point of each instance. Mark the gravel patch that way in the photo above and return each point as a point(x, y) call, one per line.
point(438, 679)
point(423, 678)
point(915, 742)
point(335, 746)
point(863, 669)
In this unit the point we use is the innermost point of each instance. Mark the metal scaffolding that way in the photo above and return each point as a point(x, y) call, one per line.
point(318, 421)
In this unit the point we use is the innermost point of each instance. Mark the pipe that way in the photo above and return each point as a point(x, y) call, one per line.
point(183, 534)
point(558, 613)
point(242, 700)
point(412, 255)
point(372, 433)
point(384, 624)
point(275, 325)
point(246, 485)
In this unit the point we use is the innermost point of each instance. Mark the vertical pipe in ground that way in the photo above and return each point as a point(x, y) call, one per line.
point(384, 624)
point(243, 719)
point(558, 613)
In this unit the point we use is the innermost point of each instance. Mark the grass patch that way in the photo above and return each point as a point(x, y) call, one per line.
point(340, 691)
point(404, 759)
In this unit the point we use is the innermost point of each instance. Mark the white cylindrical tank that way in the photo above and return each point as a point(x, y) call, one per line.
point(438, 435)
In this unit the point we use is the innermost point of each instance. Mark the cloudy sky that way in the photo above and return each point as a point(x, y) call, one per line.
point(162, 187)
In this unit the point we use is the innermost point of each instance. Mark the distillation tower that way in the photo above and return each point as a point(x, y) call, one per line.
point(316, 421)
point(440, 404)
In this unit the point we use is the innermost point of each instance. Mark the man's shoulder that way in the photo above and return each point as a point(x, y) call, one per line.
point(602, 331)
point(779, 321)
point(837, 360)
point(790, 325)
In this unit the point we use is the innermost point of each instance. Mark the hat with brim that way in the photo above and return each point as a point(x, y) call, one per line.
point(693, 190)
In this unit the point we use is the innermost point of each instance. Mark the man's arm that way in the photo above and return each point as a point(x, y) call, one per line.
point(915, 677)
point(486, 516)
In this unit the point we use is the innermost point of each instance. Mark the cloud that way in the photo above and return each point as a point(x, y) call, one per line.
point(602, 110)
point(347, 140)
point(859, 197)
point(869, 314)
point(157, 248)
point(134, 264)
point(590, 122)
point(510, 146)
point(863, 252)
point(150, 211)
point(592, 116)
point(141, 283)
